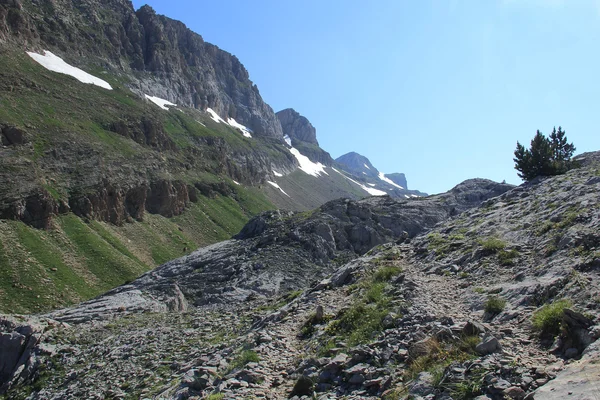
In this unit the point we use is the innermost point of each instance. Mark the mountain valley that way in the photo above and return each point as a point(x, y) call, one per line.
point(164, 234)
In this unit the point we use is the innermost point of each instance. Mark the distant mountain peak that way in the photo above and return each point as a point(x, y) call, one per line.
point(361, 167)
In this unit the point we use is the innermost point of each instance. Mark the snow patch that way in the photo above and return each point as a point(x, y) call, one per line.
point(414, 195)
point(215, 117)
point(407, 196)
point(277, 174)
point(162, 103)
point(245, 131)
point(288, 140)
point(370, 190)
point(366, 166)
point(388, 180)
point(278, 187)
point(54, 63)
point(371, 184)
point(236, 183)
point(311, 168)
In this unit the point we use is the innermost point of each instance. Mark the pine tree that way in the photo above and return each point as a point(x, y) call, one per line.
point(545, 157)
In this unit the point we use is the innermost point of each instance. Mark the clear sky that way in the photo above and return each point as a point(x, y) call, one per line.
point(438, 89)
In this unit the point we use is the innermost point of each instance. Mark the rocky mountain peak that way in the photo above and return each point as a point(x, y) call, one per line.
point(357, 164)
point(297, 127)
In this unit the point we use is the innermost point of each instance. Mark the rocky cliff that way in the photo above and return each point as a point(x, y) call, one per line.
point(297, 127)
point(398, 179)
point(161, 57)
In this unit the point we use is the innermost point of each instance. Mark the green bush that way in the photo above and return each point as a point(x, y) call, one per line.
point(384, 274)
point(547, 320)
point(492, 245)
point(495, 305)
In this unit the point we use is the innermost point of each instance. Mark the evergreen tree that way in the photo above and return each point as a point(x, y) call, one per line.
point(545, 157)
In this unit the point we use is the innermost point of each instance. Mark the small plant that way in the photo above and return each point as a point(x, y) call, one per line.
point(216, 396)
point(547, 320)
point(245, 357)
point(479, 290)
point(438, 355)
point(384, 274)
point(494, 305)
point(506, 257)
point(492, 245)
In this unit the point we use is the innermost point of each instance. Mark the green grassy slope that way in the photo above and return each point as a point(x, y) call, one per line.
point(43, 270)
point(76, 259)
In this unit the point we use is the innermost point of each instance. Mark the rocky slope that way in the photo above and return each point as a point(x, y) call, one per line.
point(498, 301)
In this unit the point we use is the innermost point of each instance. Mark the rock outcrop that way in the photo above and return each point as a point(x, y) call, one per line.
point(18, 348)
point(297, 127)
point(275, 251)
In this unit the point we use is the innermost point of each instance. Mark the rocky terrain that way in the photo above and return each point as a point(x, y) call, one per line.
point(487, 292)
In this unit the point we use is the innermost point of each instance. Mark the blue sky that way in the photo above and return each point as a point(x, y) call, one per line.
point(438, 89)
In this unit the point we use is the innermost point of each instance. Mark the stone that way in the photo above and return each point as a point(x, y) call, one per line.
point(488, 345)
point(515, 393)
point(303, 387)
point(571, 352)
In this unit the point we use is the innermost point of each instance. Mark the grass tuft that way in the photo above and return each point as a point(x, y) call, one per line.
point(495, 305)
point(547, 320)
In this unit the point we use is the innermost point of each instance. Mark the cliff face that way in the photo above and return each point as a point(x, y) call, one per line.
point(297, 127)
point(161, 56)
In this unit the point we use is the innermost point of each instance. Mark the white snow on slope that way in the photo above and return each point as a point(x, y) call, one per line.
point(56, 64)
point(388, 180)
point(237, 183)
point(245, 131)
point(366, 166)
point(278, 187)
point(311, 168)
point(288, 140)
point(407, 196)
point(162, 103)
point(277, 174)
point(371, 191)
point(215, 117)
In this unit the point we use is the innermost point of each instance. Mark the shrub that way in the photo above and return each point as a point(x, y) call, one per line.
point(492, 245)
point(506, 257)
point(547, 320)
point(384, 274)
point(495, 305)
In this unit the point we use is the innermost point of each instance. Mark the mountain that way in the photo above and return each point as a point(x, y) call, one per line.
point(487, 291)
point(393, 184)
point(128, 141)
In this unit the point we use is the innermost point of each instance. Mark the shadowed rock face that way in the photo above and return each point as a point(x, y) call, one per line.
point(297, 127)
point(184, 68)
point(277, 251)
